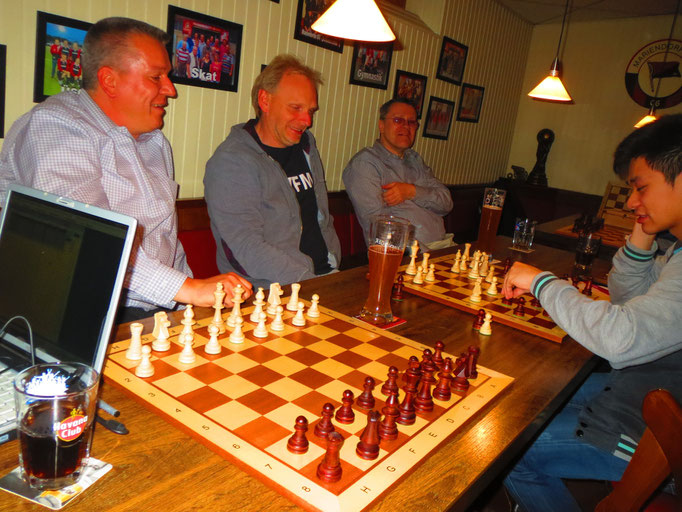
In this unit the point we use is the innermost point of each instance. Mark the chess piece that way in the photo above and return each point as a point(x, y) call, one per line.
point(476, 293)
point(473, 273)
point(520, 309)
point(366, 399)
point(219, 296)
point(472, 361)
point(442, 389)
point(507, 301)
point(345, 413)
point(492, 289)
point(278, 324)
point(485, 328)
point(236, 306)
point(261, 331)
point(428, 366)
point(419, 278)
point(237, 336)
point(507, 265)
point(411, 269)
point(213, 346)
point(134, 352)
point(474, 258)
point(464, 265)
point(299, 319)
point(438, 353)
point(388, 429)
point(187, 355)
point(329, 469)
point(423, 402)
point(161, 343)
point(258, 305)
point(292, 305)
point(460, 384)
point(467, 248)
point(431, 276)
point(325, 425)
point(534, 302)
point(397, 292)
point(188, 321)
point(145, 368)
point(274, 298)
point(483, 267)
point(480, 318)
point(314, 310)
point(368, 446)
point(455, 264)
point(298, 443)
point(425, 262)
point(491, 274)
point(588, 287)
point(406, 409)
point(160, 315)
point(391, 382)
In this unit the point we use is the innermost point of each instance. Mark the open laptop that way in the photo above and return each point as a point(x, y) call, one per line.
point(62, 267)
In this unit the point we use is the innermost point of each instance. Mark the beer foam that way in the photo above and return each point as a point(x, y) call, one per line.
point(47, 384)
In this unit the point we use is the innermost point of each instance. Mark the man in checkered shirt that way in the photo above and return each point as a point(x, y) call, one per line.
point(103, 146)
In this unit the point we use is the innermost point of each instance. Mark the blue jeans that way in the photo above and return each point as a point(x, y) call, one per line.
point(535, 482)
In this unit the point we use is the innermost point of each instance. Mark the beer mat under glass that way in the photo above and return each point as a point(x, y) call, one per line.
point(55, 500)
point(395, 323)
point(518, 249)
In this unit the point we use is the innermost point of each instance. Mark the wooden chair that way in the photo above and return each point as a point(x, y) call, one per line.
point(658, 455)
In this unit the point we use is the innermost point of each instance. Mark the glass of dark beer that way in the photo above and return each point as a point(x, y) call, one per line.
point(56, 405)
point(387, 238)
point(586, 251)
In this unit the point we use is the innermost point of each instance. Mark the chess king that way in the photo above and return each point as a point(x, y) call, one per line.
point(639, 332)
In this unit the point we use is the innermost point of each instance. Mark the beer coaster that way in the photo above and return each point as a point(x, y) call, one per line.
point(396, 322)
point(55, 500)
point(526, 251)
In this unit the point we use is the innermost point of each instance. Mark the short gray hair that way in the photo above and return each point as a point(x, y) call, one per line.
point(383, 109)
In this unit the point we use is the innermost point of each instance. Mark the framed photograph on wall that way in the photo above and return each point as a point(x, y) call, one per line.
point(438, 118)
point(371, 64)
point(470, 101)
point(59, 46)
point(3, 69)
point(453, 58)
point(410, 87)
point(204, 51)
point(306, 14)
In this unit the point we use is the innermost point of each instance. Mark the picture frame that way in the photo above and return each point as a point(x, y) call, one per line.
point(307, 13)
point(3, 70)
point(59, 46)
point(217, 60)
point(371, 64)
point(453, 58)
point(470, 103)
point(410, 87)
point(438, 118)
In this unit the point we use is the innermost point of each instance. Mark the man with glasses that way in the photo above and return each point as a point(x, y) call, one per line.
point(390, 178)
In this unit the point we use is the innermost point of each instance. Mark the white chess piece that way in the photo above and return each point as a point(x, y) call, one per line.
point(473, 273)
point(431, 276)
point(299, 319)
point(237, 336)
point(145, 368)
point(219, 295)
point(261, 331)
point(476, 294)
point(134, 352)
point(236, 306)
point(455, 265)
point(425, 262)
point(277, 324)
point(467, 248)
point(157, 322)
point(474, 258)
point(491, 274)
point(485, 328)
point(187, 355)
point(213, 346)
point(419, 278)
point(483, 267)
point(161, 343)
point(292, 305)
point(187, 321)
point(258, 305)
point(492, 289)
point(464, 266)
point(255, 314)
point(314, 310)
point(273, 298)
point(412, 267)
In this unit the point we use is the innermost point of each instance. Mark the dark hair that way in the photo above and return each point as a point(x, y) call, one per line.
point(107, 42)
point(659, 143)
point(383, 109)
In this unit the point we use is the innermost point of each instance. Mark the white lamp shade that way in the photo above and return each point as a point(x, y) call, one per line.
point(360, 20)
point(550, 88)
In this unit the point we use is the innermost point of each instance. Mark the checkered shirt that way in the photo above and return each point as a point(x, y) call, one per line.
point(68, 146)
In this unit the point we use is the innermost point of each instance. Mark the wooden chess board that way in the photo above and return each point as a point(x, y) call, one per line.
point(613, 236)
point(454, 290)
point(243, 403)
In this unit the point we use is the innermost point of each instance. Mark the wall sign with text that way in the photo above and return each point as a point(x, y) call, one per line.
point(652, 77)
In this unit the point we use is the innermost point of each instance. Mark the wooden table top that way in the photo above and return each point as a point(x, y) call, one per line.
point(158, 467)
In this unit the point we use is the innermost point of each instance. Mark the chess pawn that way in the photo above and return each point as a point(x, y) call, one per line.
point(255, 314)
point(298, 443)
point(299, 319)
point(475, 257)
point(278, 324)
point(213, 346)
point(258, 305)
point(425, 262)
point(463, 266)
point(187, 355)
point(492, 289)
point(455, 265)
point(491, 274)
point(145, 368)
point(219, 295)
point(314, 310)
point(261, 331)
point(483, 267)
point(431, 276)
point(485, 328)
point(134, 352)
point(418, 278)
point(161, 343)
point(476, 294)
point(292, 305)
point(467, 248)
point(237, 336)
point(473, 273)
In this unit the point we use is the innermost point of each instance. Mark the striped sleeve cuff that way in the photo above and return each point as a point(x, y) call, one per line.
point(540, 282)
point(637, 254)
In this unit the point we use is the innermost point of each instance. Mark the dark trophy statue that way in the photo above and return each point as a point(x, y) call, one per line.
point(537, 175)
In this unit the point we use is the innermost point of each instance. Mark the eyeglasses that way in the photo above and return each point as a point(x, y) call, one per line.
point(399, 121)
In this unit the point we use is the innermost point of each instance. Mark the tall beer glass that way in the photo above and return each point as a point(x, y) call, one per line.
point(56, 405)
point(387, 238)
point(493, 201)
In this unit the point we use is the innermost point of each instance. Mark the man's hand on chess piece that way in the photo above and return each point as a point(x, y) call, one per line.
point(199, 292)
point(518, 279)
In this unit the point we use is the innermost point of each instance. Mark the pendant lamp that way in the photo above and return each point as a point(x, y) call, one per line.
point(360, 20)
point(551, 87)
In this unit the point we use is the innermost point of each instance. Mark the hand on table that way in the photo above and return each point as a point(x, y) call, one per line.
point(199, 292)
point(518, 279)
point(397, 192)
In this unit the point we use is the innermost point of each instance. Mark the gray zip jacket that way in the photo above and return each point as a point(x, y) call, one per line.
point(255, 217)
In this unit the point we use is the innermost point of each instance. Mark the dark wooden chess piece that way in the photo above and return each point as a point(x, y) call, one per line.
point(460, 384)
point(507, 301)
point(520, 309)
point(428, 367)
point(406, 410)
point(368, 446)
point(366, 399)
point(397, 294)
point(329, 469)
point(345, 413)
point(423, 402)
point(442, 390)
point(388, 429)
point(538, 176)
point(325, 425)
point(507, 265)
point(535, 302)
point(472, 361)
point(479, 319)
point(391, 382)
point(438, 354)
point(298, 443)
point(588, 286)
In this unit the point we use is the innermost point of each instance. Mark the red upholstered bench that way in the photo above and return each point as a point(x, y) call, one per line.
point(195, 235)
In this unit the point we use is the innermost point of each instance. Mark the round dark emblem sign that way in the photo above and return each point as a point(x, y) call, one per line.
point(653, 78)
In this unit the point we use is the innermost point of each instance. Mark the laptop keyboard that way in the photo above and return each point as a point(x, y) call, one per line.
point(7, 406)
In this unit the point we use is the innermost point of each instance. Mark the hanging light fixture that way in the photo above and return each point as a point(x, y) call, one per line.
point(360, 20)
point(551, 87)
point(651, 115)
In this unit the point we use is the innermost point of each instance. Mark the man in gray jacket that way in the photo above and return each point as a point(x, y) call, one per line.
point(265, 186)
point(390, 178)
point(639, 331)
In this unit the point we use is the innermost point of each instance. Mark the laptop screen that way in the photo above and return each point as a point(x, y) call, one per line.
point(62, 266)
